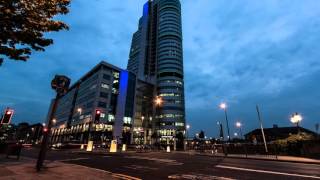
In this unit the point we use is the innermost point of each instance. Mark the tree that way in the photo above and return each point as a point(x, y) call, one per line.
point(23, 24)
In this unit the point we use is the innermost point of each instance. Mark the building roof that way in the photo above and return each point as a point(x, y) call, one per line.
point(277, 131)
point(93, 70)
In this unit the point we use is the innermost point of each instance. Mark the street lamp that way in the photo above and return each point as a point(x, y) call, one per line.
point(235, 134)
point(296, 118)
point(54, 121)
point(158, 101)
point(239, 125)
point(79, 111)
point(223, 106)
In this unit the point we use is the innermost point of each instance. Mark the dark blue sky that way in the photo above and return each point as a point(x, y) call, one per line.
point(243, 52)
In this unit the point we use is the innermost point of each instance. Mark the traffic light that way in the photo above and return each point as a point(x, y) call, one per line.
point(6, 119)
point(45, 129)
point(97, 117)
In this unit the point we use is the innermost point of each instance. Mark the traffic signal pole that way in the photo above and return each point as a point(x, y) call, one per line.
point(60, 84)
point(46, 134)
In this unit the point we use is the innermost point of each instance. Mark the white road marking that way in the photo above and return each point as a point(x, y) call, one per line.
point(267, 172)
point(106, 156)
point(198, 176)
point(167, 161)
point(116, 175)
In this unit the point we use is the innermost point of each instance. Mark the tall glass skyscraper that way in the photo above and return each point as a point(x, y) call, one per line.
point(156, 57)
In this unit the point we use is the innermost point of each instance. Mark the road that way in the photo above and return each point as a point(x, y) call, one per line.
point(160, 165)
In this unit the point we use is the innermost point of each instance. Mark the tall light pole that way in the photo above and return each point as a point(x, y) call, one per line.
point(239, 125)
point(262, 131)
point(187, 129)
point(156, 105)
point(223, 106)
point(221, 130)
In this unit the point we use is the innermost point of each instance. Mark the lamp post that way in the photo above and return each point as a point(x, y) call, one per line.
point(187, 129)
point(239, 125)
point(221, 130)
point(223, 106)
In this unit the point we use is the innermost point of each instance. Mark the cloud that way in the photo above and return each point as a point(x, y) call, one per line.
point(243, 52)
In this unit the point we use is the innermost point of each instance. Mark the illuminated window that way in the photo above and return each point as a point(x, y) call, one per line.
point(105, 86)
point(169, 116)
point(179, 124)
point(167, 94)
point(127, 120)
point(110, 117)
point(114, 91)
point(116, 75)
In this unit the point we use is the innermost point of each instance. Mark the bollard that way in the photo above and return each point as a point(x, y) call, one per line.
point(168, 148)
point(90, 146)
point(113, 147)
point(124, 147)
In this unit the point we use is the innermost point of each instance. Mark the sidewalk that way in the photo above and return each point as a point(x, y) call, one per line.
point(259, 157)
point(25, 170)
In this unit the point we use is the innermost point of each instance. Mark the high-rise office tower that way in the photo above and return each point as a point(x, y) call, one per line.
point(156, 58)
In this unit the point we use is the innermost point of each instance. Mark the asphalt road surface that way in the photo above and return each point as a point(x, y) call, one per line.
point(161, 165)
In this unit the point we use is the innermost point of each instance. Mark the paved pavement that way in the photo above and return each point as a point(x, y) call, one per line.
point(24, 169)
point(159, 165)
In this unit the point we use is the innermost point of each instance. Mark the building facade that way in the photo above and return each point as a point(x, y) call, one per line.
point(107, 90)
point(156, 58)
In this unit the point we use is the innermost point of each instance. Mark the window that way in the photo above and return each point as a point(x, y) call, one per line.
point(127, 120)
point(114, 91)
point(106, 77)
point(93, 86)
point(116, 75)
point(102, 104)
point(105, 86)
point(179, 124)
point(169, 94)
point(170, 116)
point(104, 95)
point(110, 117)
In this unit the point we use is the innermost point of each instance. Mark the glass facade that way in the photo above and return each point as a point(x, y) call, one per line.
point(99, 90)
point(156, 57)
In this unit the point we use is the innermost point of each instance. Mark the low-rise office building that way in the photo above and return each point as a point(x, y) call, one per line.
point(105, 91)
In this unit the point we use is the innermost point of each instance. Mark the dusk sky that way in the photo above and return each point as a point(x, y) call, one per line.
point(244, 53)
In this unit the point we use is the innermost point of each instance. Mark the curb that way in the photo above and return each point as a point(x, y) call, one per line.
point(261, 159)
